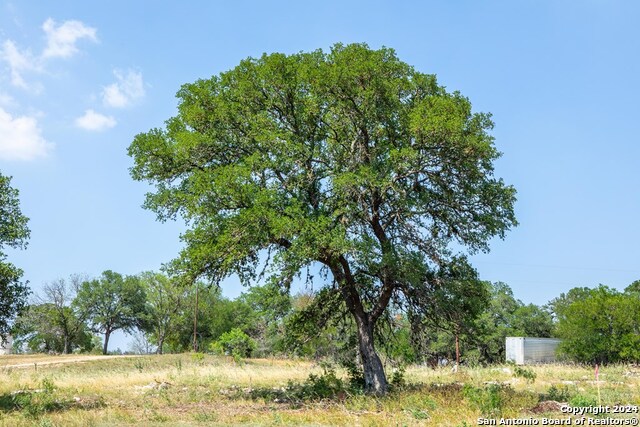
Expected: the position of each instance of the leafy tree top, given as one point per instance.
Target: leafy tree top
(321, 155)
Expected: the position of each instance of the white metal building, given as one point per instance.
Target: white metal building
(5, 346)
(526, 350)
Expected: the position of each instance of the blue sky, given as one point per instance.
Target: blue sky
(79, 79)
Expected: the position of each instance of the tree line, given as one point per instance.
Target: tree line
(599, 325)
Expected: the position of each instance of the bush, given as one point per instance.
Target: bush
(525, 373)
(236, 343)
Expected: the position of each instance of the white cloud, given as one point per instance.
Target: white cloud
(61, 39)
(20, 138)
(61, 43)
(19, 62)
(125, 91)
(95, 121)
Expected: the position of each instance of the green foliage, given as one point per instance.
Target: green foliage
(526, 373)
(35, 403)
(482, 328)
(558, 393)
(48, 328)
(216, 315)
(14, 233)
(325, 386)
(166, 300)
(489, 399)
(197, 357)
(355, 374)
(268, 305)
(53, 324)
(398, 379)
(351, 159)
(599, 325)
(236, 343)
(580, 400)
(112, 302)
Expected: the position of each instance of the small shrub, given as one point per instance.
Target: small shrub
(526, 373)
(236, 343)
(139, 365)
(197, 357)
(35, 403)
(325, 386)
(397, 377)
(355, 374)
(559, 394)
(582, 401)
(489, 400)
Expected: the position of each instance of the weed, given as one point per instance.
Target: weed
(489, 400)
(33, 403)
(355, 374)
(197, 357)
(526, 373)
(45, 422)
(139, 364)
(397, 377)
(419, 414)
(580, 400)
(203, 417)
(559, 394)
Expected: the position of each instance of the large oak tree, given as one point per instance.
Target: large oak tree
(349, 159)
(14, 233)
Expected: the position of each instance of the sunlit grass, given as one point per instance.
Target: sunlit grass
(207, 390)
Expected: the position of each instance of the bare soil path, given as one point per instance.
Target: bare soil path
(28, 361)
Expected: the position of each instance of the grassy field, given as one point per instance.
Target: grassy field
(195, 389)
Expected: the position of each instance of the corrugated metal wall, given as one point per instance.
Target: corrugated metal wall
(528, 350)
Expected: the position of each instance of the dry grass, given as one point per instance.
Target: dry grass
(189, 390)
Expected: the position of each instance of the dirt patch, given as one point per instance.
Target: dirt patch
(29, 361)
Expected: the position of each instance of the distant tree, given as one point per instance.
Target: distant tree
(111, 303)
(453, 300)
(45, 327)
(507, 316)
(70, 324)
(269, 306)
(14, 233)
(350, 159)
(602, 326)
(166, 301)
(215, 316)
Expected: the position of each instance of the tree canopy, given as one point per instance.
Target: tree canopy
(349, 159)
(110, 303)
(599, 325)
(14, 233)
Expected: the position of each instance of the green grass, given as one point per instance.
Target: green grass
(189, 390)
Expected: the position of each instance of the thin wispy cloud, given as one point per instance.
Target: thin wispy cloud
(62, 39)
(61, 42)
(18, 62)
(126, 90)
(21, 138)
(96, 122)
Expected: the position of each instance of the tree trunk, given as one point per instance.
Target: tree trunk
(160, 344)
(375, 380)
(106, 342)
(67, 349)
